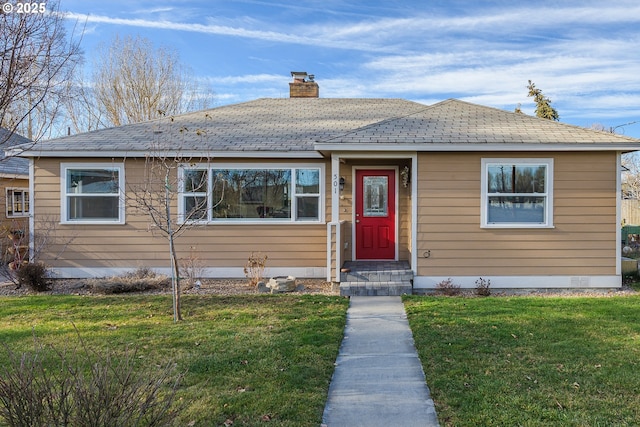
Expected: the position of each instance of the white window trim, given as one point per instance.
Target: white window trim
(9, 202)
(230, 165)
(548, 214)
(87, 166)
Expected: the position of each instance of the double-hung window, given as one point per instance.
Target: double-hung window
(230, 193)
(17, 202)
(92, 193)
(517, 193)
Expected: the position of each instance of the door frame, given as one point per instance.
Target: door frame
(396, 188)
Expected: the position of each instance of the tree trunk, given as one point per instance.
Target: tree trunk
(175, 271)
(175, 281)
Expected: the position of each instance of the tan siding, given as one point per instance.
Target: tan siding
(404, 219)
(582, 241)
(346, 211)
(138, 243)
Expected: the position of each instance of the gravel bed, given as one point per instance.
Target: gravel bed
(305, 286)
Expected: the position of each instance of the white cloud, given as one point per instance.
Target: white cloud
(247, 78)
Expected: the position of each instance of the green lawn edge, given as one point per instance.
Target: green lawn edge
(530, 361)
(246, 358)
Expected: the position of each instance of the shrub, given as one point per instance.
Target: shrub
(34, 276)
(48, 387)
(140, 273)
(140, 280)
(254, 270)
(192, 267)
(448, 288)
(482, 287)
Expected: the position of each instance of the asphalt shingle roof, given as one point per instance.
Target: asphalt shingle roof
(458, 122)
(262, 125)
(12, 165)
(309, 124)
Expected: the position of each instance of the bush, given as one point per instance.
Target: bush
(255, 267)
(140, 273)
(84, 388)
(34, 276)
(448, 288)
(140, 280)
(482, 287)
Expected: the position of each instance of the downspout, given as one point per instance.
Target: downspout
(619, 215)
(32, 222)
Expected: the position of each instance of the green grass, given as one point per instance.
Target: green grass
(245, 357)
(530, 361)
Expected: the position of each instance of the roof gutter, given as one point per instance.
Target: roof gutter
(182, 154)
(466, 147)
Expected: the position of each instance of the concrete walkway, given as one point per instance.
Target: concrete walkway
(378, 380)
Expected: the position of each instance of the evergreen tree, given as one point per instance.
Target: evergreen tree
(544, 110)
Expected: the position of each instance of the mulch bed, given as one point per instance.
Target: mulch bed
(207, 287)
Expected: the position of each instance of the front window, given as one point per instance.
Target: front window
(251, 194)
(91, 194)
(516, 193)
(17, 202)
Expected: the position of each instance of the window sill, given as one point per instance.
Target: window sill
(92, 222)
(507, 226)
(262, 222)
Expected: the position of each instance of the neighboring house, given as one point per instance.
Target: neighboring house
(14, 199)
(456, 190)
(14, 184)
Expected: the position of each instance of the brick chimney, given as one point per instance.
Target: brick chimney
(303, 85)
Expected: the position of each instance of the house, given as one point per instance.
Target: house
(14, 195)
(452, 190)
(14, 199)
(14, 182)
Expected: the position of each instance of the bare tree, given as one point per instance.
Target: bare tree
(157, 195)
(631, 176)
(81, 109)
(37, 58)
(133, 81)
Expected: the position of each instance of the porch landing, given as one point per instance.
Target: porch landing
(376, 278)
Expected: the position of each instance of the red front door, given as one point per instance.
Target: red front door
(375, 214)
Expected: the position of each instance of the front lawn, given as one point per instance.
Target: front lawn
(530, 361)
(247, 359)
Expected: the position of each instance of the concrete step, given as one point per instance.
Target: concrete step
(376, 288)
(377, 276)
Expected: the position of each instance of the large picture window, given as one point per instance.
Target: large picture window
(242, 194)
(91, 193)
(517, 193)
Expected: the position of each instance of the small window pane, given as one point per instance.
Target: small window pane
(195, 181)
(375, 190)
(92, 181)
(516, 178)
(195, 207)
(308, 208)
(307, 181)
(93, 207)
(516, 209)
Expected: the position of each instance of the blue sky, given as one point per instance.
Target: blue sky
(583, 54)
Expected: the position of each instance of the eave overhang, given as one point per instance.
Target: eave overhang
(179, 154)
(327, 148)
